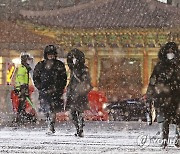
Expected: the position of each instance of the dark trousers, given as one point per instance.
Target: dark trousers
(78, 120)
(47, 103)
(51, 118)
(23, 93)
(22, 105)
(164, 126)
(177, 131)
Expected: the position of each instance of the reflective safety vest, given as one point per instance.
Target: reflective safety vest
(22, 76)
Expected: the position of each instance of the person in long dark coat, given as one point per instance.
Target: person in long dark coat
(164, 90)
(50, 79)
(78, 89)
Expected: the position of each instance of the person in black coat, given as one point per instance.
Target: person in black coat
(50, 79)
(164, 90)
(78, 89)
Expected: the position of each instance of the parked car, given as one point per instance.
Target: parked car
(128, 110)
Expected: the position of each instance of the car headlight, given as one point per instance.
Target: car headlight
(112, 111)
(104, 106)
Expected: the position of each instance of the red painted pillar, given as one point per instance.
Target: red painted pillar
(95, 70)
(145, 71)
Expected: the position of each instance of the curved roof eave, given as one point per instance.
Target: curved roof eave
(109, 14)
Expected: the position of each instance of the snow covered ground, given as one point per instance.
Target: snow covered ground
(100, 137)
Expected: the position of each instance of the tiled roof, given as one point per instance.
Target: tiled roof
(13, 36)
(14, 33)
(110, 14)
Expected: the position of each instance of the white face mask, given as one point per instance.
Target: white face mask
(74, 60)
(29, 62)
(170, 56)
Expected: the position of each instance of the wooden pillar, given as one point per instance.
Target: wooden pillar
(145, 72)
(95, 70)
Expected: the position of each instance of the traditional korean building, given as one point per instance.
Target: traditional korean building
(120, 38)
(16, 39)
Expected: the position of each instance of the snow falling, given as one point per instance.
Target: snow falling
(117, 36)
(100, 137)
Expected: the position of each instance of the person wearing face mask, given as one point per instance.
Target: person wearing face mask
(164, 91)
(170, 56)
(78, 89)
(22, 86)
(50, 79)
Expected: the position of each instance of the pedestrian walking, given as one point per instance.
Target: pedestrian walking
(22, 86)
(164, 90)
(78, 89)
(50, 79)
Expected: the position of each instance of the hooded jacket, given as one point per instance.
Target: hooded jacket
(164, 83)
(80, 82)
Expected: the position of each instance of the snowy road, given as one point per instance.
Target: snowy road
(100, 137)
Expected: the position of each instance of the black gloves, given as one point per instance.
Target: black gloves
(24, 89)
(16, 91)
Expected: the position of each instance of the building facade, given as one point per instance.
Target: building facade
(16, 39)
(120, 39)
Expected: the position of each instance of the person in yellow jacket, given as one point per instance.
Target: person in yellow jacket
(22, 86)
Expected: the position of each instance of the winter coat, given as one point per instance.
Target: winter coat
(50, 79)
(164, 87)
(80, 82)
(22, 81)
(22, 76)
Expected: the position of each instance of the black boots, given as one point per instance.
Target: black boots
(165, 132)
(164, 143)
(164, 127)
(51, 129)
(177, 141)
(51, 117)
(78, 120)
(20, 119)
(177, 138)
(79, 132)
